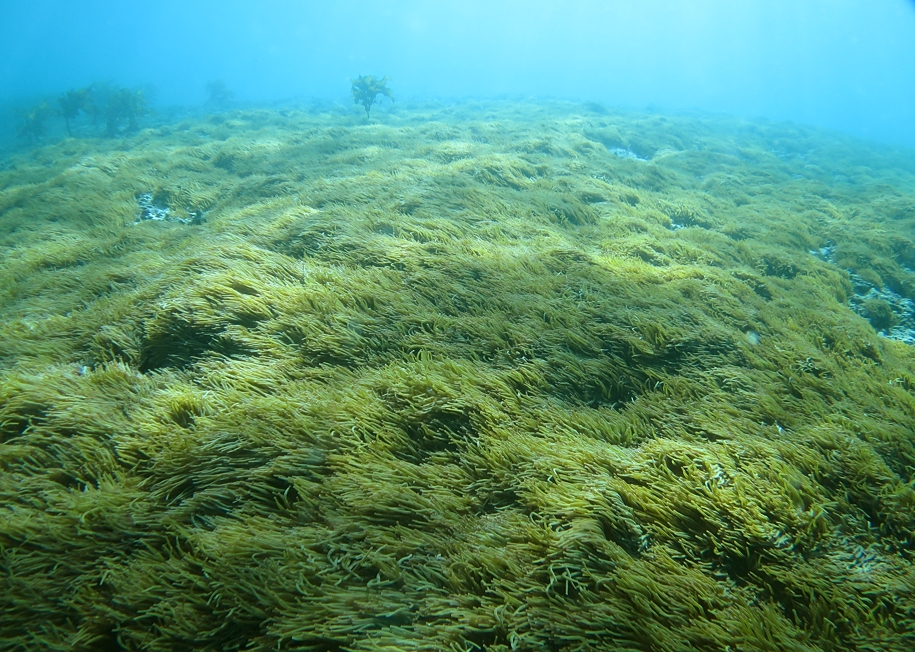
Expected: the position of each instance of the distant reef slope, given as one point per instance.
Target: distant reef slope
(481, 377)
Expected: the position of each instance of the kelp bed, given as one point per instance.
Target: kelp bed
(480, 377)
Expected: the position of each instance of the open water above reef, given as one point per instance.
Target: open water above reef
(478, 376)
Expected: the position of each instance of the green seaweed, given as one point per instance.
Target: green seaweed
(879, 313)
(455, 382)
(32, 124)
(366, 89)
(124, 104)
(219, 95)
(72, 102)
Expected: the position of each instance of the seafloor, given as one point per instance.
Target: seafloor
(477, 377)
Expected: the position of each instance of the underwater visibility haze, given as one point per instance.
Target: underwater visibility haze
(472, 326)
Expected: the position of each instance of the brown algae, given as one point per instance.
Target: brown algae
(476, 377)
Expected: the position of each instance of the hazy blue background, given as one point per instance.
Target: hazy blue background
(846, 64)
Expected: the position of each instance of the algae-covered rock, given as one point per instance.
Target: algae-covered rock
(879, 313)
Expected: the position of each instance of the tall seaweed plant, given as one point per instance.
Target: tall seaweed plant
(124, 105)
(72, 102)
(367, 88)
(33, 123)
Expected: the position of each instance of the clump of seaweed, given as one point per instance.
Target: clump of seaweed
(72, 102)
(33, 125)
(879, 313)
(219, 95)
(124, 104)
(367, 88)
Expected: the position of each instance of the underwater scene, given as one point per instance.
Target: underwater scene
(382, 368)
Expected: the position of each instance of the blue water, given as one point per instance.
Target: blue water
(841, 64)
